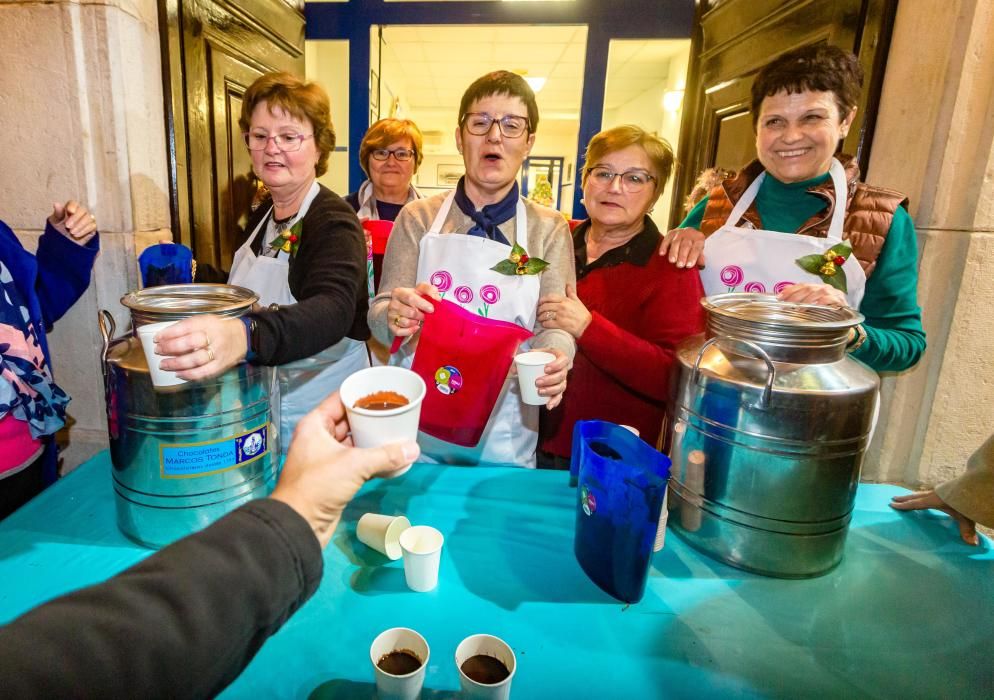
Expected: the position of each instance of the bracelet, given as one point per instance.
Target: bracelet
(857, 342)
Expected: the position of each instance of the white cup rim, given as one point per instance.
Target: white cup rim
(534, 357)
(511, 671)
(424, 662)
(415, 530)
(413, 402)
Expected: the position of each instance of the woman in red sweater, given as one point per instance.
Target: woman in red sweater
(631, 307)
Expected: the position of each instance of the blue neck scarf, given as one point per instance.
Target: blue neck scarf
(486, 220)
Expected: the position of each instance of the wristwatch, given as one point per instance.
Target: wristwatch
(251, 336)
(859, 337)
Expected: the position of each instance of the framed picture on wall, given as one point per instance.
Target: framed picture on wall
(448, 174)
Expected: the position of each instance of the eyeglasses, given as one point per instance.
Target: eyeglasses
(632, 181)
(480, 123)
(401, 154)
(258, 141)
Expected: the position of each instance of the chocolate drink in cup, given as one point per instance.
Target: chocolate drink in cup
(485, 669)
(382, 401)
(399, 662)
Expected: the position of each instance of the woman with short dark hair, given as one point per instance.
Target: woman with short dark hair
(775, 227)
(455, 239)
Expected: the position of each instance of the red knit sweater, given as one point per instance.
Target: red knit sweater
(624, 358)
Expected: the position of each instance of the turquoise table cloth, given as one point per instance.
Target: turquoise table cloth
(908, 613)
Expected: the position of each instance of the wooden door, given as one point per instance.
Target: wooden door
(733, 39)
(213, 50)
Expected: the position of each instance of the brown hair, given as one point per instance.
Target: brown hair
(620, 137)
(386, 131)
(305, 101)
(501, 82)
(816, 67)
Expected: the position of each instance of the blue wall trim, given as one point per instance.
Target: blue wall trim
(605, 19)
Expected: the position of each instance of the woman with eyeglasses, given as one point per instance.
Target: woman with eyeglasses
(630, 307)
(389, 154)
(305, 256)
(449, 243)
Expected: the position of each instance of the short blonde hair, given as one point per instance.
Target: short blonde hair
(620, 137)
(384, 132)
(304, 101)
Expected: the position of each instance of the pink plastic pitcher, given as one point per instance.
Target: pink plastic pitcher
(464, 359)
(378, 233)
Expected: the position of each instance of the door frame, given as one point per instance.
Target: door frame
(605, 20)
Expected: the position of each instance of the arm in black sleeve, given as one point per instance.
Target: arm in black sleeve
(182, 623)
(328, 279)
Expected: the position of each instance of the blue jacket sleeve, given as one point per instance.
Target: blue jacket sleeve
(64, 268)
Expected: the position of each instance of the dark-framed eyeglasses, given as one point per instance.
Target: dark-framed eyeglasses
(258, 140)
(401, 154)
(632, 181)
(480, 123)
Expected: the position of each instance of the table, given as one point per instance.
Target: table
(908, 613)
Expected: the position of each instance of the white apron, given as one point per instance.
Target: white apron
(303, 384)
(511, 435)
(754, 260)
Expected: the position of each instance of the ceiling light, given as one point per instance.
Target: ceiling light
(672, 100)
(536, 84)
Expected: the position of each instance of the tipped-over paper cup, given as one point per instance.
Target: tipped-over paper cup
(382, 533)
(394, 686)
(161, 378)
(531, 366)
(422, 547)
(373, 427)
(485, 645)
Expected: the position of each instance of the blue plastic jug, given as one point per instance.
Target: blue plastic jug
(622, 481)
(166, 263)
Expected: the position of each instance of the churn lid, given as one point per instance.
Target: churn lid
(172, 302)
(787, 331)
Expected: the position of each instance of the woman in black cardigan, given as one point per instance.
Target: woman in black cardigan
(305, 256)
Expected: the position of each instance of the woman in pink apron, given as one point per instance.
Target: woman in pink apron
(445, 246)
(305, 257)
(798, 223)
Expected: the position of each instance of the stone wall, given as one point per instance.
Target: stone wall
(82, 115)
(934, 140)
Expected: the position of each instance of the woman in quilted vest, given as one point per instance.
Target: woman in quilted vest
(798, 223)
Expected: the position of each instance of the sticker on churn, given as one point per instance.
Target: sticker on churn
(448, 379)
(182, 461)
(588, 501)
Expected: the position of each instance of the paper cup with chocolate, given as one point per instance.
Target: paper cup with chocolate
(383, 405)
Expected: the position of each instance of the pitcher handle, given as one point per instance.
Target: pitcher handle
(764, 399)
(107, 330)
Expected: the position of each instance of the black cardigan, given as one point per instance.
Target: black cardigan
(327, 277)
(182, 623)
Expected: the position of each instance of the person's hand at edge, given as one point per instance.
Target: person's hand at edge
(552, 384)
(923, 500)
(323, 471)
(74, 221)
(685, 247)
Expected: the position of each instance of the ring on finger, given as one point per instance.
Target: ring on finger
(210, 352)
(396, 321)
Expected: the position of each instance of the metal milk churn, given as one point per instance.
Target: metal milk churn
(769, 424)
(184, 456)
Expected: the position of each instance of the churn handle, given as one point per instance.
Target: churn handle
(107, 329)
(764, 400)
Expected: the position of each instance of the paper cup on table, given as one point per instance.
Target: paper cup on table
(393, 686)
(422, 548)
(374, 428)
(531, 366)
(382, 533)
(161, 378)
(485, 645)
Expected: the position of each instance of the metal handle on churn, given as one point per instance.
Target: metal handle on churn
(764, 400)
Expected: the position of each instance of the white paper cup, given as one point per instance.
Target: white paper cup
(389, 686)
(531, 366)
(382, 533)
(422, 548)
(376, 428)
(487, 645)
(161, 378)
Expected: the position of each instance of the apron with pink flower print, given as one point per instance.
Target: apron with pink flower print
(459, 266)
(754, 260)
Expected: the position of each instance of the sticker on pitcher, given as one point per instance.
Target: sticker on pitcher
(448, 380)
(588, 501)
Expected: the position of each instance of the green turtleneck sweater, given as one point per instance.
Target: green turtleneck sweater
(894, 335)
